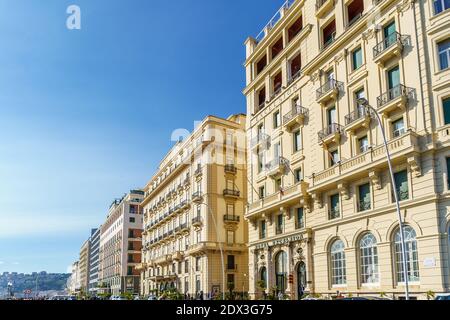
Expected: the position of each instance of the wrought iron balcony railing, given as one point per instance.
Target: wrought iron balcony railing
(231, 192)
(231, 218)
(260, 138)
(359, 113)
(394, 93)
(388, 42)
(328, 86)
(364, 205)
(296, 111)
(330, 130)
(276, 163)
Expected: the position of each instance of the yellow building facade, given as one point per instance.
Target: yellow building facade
(321, 211)
(194, 209)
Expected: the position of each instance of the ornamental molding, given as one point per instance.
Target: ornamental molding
(405, 5)
(414, 165)
(374, 177)
(315, 76)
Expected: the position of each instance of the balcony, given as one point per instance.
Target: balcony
(295, 117)
(178, 255)
(289, 196)
(187, 182)
(395, 98)
(391, 46)
(230, 168)
(231, 193)
(277, 167)
(197, 196)
(360, 118)
(402, 150)
(332, 133)
(274, 20)
(323, 6)
(261, 140)
(197, 221)
(329, 91)
(443, 136)
(232, 219)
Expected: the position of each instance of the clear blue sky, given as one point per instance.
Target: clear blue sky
(84, 113)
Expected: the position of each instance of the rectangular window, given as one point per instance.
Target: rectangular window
(444, 54)
(298, 175)
(261, 98)
(354, 11)
(230, 281)
(280, 224)
(261, 64)
(334, 157)
(300, 223)
(277, 184)
(276, 119)
(277, 83)
(334, 207)
(132, 220)
(398, 128)
(363, 144)
(262, 192)
(197, 263)
(393, 80)
(364, 197)
(295, 28)
(263, 229)
(356, 59)
(329, 34)
(401, 185)
(331, 116)
(446, 107)
(294, 67)
(186, 266)
(230, 237)
(448, 176)
(260, 161)
(297, 141)
(198, 285)
(230, 262)
(277, 48)
(441, 5)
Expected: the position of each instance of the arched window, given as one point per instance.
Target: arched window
(281, 270)
(412, 259)
(369, 259)
(338, 272)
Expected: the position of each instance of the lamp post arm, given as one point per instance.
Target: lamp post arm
(397, 203)
(220, 248)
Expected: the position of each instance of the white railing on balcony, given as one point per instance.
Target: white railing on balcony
(274, 20)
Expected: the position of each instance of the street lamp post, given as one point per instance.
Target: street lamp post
(220, 246)
(363, 102)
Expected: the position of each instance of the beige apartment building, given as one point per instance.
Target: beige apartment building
(121, 245)
(194, 209)
(321, 211)
(83, 266)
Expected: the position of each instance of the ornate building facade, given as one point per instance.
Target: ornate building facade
(194, 210)
(322, 217)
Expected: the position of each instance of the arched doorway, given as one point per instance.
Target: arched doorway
(281, 271)
(301, 279)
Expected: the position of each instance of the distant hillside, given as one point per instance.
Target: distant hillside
(45, 281)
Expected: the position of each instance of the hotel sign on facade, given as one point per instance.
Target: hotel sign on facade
(280, 242)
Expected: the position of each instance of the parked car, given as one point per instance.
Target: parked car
(152, 297)
(443, 296)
